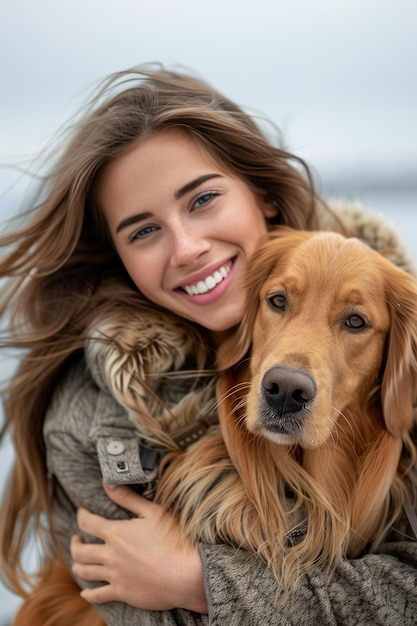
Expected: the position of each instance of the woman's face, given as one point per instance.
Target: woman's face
(184, 227)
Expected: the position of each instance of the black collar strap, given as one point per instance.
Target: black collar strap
(190, 433)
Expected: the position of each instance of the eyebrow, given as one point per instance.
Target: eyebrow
(133, 219)
(193, 184)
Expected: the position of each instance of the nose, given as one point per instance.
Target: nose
(187, 245)
(287, 390)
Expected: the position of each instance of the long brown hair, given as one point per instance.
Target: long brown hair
(61, 269)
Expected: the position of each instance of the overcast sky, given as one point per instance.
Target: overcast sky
(338, 76)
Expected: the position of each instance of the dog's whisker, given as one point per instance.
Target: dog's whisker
(238, 388)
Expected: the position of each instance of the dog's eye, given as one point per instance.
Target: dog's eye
(277, 301)
(355, 322)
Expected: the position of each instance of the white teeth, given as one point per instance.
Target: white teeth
(211, 282)
(203, 286)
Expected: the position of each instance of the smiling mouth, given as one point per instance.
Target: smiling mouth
(210, 282)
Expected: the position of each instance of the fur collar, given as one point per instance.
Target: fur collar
(153, 366)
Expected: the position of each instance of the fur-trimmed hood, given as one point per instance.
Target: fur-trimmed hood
(153, 366)
(371, 228)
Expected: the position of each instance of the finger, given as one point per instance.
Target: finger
(99, 595)
(76, 545)
(86, 552)
(89, 572)
(91, 524)
(131, 501)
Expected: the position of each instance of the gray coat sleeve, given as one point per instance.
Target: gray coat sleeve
(75, 470)
(375, 590)
(378, 589)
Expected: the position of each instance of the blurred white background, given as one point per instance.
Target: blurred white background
(338, 77)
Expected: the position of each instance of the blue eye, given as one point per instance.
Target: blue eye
(204, 198)
(143, 232)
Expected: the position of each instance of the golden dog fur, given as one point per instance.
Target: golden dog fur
(318, 472)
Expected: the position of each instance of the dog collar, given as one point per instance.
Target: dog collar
(192, 432)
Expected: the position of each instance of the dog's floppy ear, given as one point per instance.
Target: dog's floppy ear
(399, 381)
(235, 347)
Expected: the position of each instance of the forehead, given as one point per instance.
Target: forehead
(147, 175)
(159, 152)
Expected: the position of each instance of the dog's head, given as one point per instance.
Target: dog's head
(326, 318)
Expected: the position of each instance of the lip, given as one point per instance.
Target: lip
(203, 274)
(214, 294)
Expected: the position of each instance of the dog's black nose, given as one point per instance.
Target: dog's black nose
(287, 390)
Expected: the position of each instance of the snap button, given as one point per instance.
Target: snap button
(122, 466)
(115, 447)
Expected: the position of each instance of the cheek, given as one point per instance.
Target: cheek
(142, 284)
(257, 225)
(144, 272)
(246, 218)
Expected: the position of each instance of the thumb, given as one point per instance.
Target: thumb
(125, 497)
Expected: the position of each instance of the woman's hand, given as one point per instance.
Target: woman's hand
(144, 560)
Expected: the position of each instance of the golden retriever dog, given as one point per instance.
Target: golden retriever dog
(315, 405)
(316, 415)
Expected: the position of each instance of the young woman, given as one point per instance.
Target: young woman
(154, 207)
